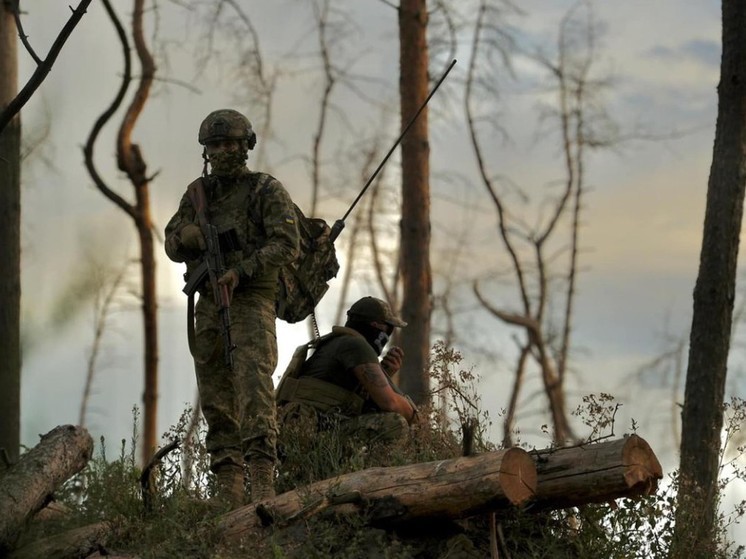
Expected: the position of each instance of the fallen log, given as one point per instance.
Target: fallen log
(80, 542)
(54, 510)
(27, 485)
(455, 488)
(595, 473)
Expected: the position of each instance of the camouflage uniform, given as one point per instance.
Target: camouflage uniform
(258, 234)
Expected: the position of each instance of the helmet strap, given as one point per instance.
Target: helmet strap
(204, 162)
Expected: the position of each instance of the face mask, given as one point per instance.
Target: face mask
(227, 163)
(380, 342)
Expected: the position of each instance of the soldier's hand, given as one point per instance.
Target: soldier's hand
(230, 280)
(192, 238)
(392, 360)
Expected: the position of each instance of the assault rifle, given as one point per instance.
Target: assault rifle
(212, 267)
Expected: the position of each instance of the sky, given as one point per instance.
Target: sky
(642, 218)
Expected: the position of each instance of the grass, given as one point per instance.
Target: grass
(179, 523)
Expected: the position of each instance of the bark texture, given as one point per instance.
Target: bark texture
(414, 255)
(10, 242)
(80, 542)
(714, 294)
(455, 488)
(27, 485)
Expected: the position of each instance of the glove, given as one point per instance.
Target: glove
(392, 360)
(230, 280)
(192, 238)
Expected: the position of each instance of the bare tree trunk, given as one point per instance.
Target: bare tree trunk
(10, 240)
(11, 102)
(130, 160)
(415, 224)
(28, 484)
(714, 293)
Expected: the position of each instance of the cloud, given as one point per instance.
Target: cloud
(700, 51)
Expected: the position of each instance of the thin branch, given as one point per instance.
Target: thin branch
(322, 23)
(44, 67)
(107, 114)
(129, 157)
(378, 266)
(102, 309)
(13, 7)
(147, 485)
(481, 164)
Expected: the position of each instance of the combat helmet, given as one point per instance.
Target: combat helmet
(226, 124)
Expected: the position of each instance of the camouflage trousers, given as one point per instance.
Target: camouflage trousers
(238, 404)
(369, 428)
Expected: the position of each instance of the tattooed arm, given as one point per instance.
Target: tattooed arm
(375, 382)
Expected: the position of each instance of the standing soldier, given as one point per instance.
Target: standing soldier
(257, 232)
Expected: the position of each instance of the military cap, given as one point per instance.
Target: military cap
(370, 308)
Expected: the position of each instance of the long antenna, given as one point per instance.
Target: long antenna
(340, 223)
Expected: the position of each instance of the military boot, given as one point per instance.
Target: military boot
(261, 472)
(230, 486)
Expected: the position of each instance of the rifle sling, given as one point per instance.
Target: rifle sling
(196, 192)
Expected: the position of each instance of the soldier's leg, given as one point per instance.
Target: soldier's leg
(255, 361)
(216, 390)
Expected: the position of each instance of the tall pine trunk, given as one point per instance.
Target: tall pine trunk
(415, 225)
(10, 243)
(714, 293)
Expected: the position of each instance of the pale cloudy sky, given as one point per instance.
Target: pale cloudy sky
(642, 222)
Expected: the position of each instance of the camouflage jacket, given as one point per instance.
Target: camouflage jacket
(258, 233)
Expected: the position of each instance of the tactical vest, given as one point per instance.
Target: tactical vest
(322, 395)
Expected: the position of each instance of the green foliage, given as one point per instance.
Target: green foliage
(174, 519)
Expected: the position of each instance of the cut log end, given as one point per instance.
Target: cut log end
(642, 470)
(518, 476)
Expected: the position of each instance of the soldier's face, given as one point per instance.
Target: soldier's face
(222, 146)
(227, 158)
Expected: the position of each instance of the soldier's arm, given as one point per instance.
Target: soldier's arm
(281, 229)
(183, 216)
(374, 381)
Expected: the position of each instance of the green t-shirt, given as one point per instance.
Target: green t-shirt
(334, 360)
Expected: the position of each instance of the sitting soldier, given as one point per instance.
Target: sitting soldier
(344, 384)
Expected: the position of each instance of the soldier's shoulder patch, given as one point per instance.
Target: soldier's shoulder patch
(289, 219)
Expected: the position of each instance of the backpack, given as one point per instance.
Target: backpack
(293, 369)
(304, 281)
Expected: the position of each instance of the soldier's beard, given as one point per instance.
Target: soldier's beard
(228, 164)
